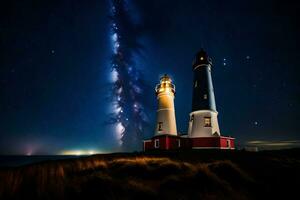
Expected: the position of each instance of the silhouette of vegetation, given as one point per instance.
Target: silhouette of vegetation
(164, 175)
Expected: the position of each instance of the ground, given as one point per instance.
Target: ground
(158, 175)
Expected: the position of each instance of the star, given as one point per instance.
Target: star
(224, 61)
(52, 51)
(248, 57)
(255, 123)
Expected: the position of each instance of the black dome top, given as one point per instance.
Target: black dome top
(201, 58)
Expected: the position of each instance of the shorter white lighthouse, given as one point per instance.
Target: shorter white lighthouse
(166, 121)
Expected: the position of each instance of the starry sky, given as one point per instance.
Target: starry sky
(54, 69)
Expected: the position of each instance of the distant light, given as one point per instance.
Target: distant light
(247, 57)
(201, 58)
(255, 123)
(224, 64)
(79, 152)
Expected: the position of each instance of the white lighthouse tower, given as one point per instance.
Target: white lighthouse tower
(166, 122)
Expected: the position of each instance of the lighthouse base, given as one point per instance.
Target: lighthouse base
(220, 142)
(171, 142)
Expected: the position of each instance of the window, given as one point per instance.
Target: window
(192, 118)
(196, 84)
(205, 96)
(160, 126)
(178, 143)
(156, 143)
(228, 143)
(207, 122)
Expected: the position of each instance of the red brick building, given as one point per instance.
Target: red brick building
(171, 142)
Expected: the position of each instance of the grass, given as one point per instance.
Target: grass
(164, 175)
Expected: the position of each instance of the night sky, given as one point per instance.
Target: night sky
(55, 69)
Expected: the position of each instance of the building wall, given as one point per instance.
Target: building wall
(148, 145)
(174, 142)
(205, 142)
(197, 126)
(166, 114)
(227, 142)
(167, 142)
(203, 86)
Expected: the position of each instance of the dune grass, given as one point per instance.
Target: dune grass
(131, 177)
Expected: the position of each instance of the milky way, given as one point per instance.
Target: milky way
(128, 114)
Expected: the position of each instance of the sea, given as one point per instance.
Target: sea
(21, 160)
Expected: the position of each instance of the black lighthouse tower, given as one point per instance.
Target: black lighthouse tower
(203, 91)
(204, 116)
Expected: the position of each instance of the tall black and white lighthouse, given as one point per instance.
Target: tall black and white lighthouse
(203, 118)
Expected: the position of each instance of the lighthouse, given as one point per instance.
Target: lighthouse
(204, 116)
(203, 127)
(165, 134)
(165, 93)
(203, 131)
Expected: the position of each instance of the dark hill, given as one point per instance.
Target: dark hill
(163, 175)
